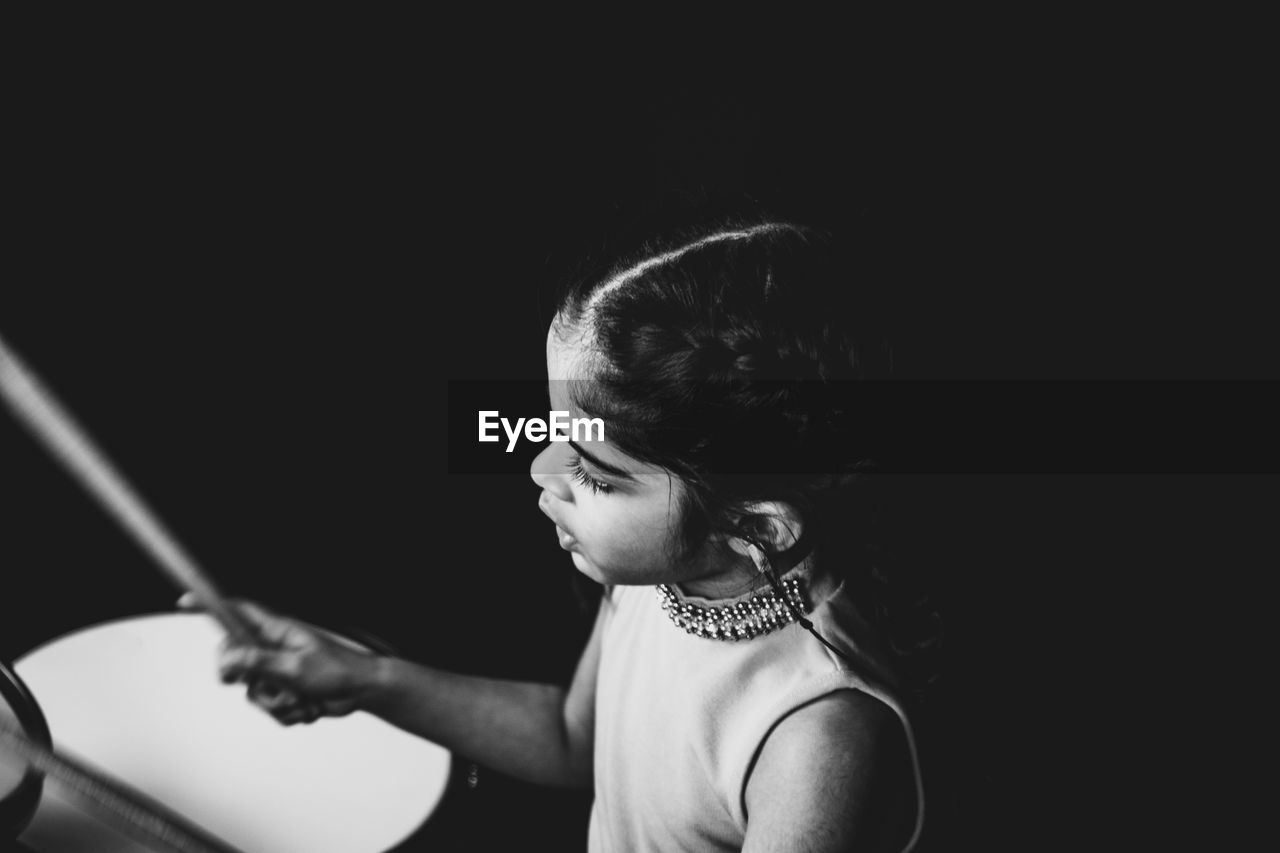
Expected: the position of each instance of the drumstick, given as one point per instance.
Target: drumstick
(53, 426)
(133, 813)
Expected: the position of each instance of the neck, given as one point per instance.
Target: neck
(740, 576)
(740, 579)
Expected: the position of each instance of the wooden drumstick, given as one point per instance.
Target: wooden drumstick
(133, 813)
(36, 407)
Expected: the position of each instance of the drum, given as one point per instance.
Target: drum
(140, 699)
(19, 785)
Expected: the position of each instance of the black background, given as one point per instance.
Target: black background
(253, 272)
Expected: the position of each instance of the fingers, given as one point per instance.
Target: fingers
(268, 669)
(270, 628)
(270, 696)
(304, 713)
(237, 663)
(282, 702)
(269, 678)
(287, 707)
(290, 711)
(248, 663)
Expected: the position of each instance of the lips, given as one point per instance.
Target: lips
(567, 539)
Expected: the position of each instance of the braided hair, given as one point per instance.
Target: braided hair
(727, 355)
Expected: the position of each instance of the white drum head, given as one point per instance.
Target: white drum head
(140, 699)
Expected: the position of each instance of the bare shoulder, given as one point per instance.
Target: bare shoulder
(834, 775)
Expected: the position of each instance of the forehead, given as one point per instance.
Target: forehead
(565, 357)
(568, 356)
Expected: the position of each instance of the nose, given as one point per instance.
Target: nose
(549, 471)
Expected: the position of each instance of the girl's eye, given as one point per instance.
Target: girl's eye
(580, 474)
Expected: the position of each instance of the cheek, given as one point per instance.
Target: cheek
(642, 539)
(628, 532)
(603, 525)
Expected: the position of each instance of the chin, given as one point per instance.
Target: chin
(612, 577)
(583, 565)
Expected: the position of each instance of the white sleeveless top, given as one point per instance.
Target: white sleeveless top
(680, 718)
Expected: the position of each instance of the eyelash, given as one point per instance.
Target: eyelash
(580, 474)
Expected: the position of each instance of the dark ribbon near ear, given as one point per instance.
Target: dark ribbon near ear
(784, 561)
(788, 559)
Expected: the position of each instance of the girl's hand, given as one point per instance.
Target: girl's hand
(297, 672)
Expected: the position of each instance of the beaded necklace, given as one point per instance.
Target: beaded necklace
(742, 620)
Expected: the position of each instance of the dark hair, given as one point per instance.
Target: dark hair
(726, 354)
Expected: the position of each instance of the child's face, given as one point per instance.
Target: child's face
(620, 526)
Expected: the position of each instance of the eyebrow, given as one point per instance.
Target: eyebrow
(603, 466)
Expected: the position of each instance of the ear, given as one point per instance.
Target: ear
(774, 524)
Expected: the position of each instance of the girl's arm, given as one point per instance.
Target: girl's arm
(540, 733)
(835, 775)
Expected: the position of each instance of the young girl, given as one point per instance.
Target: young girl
(742, 687)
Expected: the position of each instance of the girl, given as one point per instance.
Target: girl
(743, 687)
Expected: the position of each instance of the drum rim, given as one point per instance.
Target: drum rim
(17, 808)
